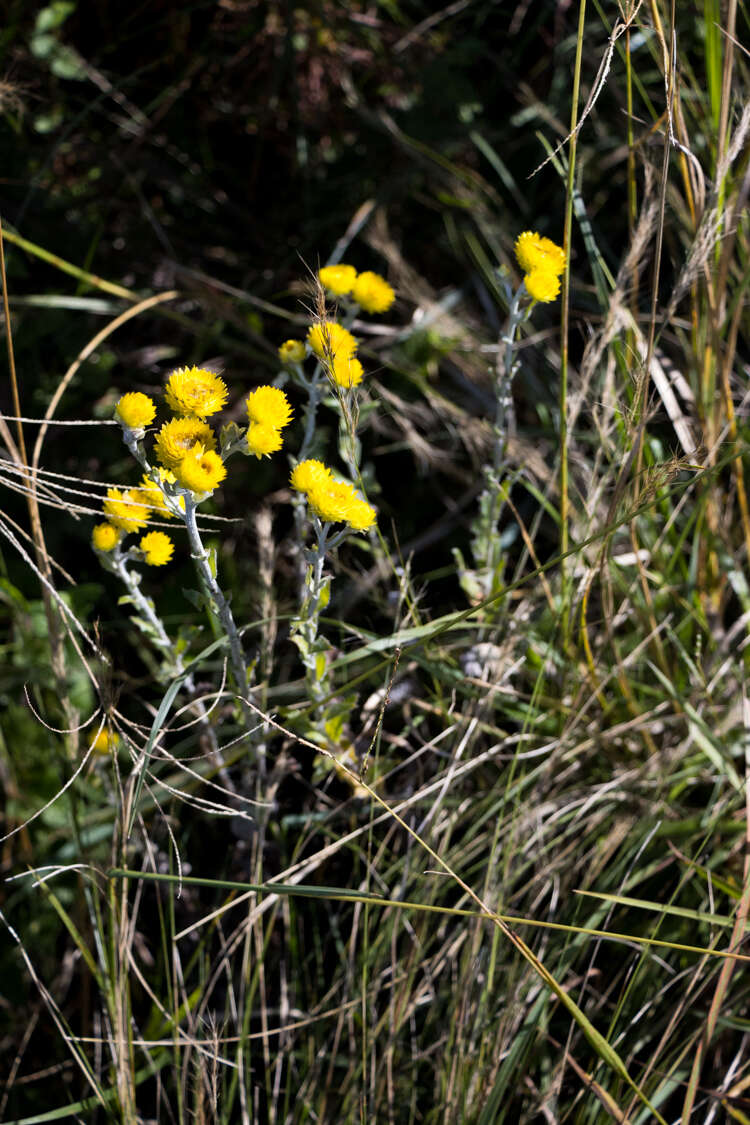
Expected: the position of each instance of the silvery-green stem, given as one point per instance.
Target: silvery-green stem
(116, 561)
(485, 537)
(201, 558)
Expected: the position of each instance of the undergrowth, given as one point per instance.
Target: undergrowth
(398, 772)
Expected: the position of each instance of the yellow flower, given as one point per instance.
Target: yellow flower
(105, 537)
(534, 252)
(292, 351)
(135, 410)
(125, 510)
(542, 285)
(346, 370)
(157, 547)
(329, 339)
(195, 392)
(307, 474)
(361, 516)
(177, 437)
(200, 470)
(270, 407)
(154, 497)
(338, 279)
(262, 440)
(334, 501)
(105, 742)
(373, 293)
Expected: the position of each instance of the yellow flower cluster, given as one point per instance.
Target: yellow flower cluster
(130, 511)
(331, 500)
(135, 411)
(157, 547)
(105, 742)
(542, 261)
(335, 345)
(268, 411)
(292, 351)
(370, 291)
(176, 438)
(194, 392)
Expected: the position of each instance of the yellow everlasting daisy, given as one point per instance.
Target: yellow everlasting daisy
(373, 293)
(542, 285)
(292, 351)
(338, 279)
(263, 440)
(125, 509)
(361, 516)
(177, 437)
(309, 473)
(200, 470)
(329, 340)
(195, 392)
(154, 497)
(105, 537)
(157, 547)
(534, 252)
(334, 501)
(346, 370)
(135, 410)
(105, 742)
(270, 407)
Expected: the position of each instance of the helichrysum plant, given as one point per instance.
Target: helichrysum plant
(333, 507)
(186, 465)
(543, 263)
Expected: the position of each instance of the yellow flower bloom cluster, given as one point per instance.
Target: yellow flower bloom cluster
(135, 410)
(268, 411)
(335, 345)
(292, 351)
(542, 261)
(157, 547)
(176, 438)
(105, 537)
(105, 742)
(331, 500)
(200, 470)
(130, 511)
(194, 392)
(371, 291)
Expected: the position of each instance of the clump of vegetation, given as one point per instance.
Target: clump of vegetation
(385, 759)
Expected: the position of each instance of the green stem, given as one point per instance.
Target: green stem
(565, 326)
(201, 558)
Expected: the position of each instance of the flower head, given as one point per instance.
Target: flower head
(200, 470)
(346, 371)
(309, 473)
(105, 742)
(135, 410)
(329, 339)
(153, 495)
(105, 537)
(177, 437)
(157, 547)
(335, 501)
(338, 279)
(126, 509)
(262, 439)
(542, 285)
(361, 516)
(270, 407)
(373, 293)
(195, 392)
(534, 252)
(292, 351)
